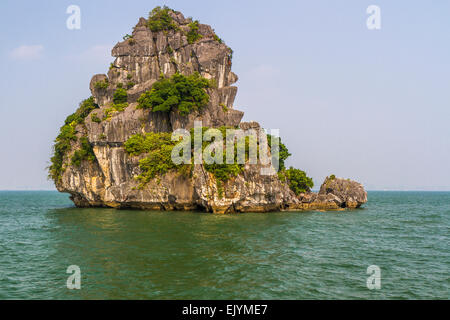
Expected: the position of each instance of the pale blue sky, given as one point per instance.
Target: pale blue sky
(367, 105)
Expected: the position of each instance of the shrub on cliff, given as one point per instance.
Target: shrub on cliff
(120, 96)
(158, 147)
(101, 85)
(283, 153)
(160, 20)
(116, 107)
(95, 118)
(156, 163)
(86, 106)
(67, 133)
(193, 35)
(216, 37)
(179, 92)
(139, 143)
(129, 38)
(61, 147)
(223, 171)
(297, 179)
(84, 153)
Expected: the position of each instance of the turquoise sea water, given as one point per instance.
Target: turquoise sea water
(192, 255)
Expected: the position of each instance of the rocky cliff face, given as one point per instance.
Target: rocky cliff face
(108, 179)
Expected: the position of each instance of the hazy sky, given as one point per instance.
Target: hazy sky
(370, 105)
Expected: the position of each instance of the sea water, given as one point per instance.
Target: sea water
(124, 254)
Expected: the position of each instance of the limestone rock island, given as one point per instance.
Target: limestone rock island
(115, 150)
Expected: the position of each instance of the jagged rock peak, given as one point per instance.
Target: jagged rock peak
(145, 55)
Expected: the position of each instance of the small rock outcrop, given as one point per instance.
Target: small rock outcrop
(334, 194)
(92, 165)
(346, 193)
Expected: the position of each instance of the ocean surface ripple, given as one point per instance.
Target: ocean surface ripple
(126, 254)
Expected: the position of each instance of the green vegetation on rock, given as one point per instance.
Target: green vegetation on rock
(193, 35)
(120, 96)
(101, 85)
(66, 136)
(95, 118)
(216, 37)
(224, 171)
(119, 104)
(158, 147)
(129, 38)
(116, 107)
(158, 161)
(160, 20)
(86, 106)
(61, 147)
(84, 153)
(179, 92)
(297, 179)
(283, 152)
(230, 54)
